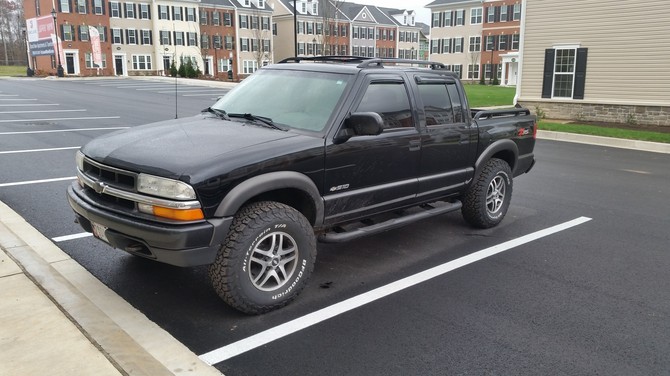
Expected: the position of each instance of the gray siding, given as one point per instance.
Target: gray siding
(627, 41)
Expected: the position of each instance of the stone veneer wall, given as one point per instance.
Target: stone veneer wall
(610, 113)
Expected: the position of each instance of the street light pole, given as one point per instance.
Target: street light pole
(59, 70)
(295, 27)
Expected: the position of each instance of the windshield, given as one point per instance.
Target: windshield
(297, 99)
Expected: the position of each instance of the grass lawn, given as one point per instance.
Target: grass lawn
(12, 70)
(609, 131)
(487, 96)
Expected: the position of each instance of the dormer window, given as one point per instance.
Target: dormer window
(246, 3)
(303, 7)
(315, 9)
(411, 21)
(261, 4)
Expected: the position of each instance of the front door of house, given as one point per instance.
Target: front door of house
(118, 65)
(69, 62)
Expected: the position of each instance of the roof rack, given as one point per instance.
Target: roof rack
(327, 59)
(363, 62)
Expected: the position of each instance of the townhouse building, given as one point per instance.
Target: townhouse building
(131, 35)
(254, 35)
(408, 32)
(592, 61)
(72, 21)
(479, 39)
(217, 39)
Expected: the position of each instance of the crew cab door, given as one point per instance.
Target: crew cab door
(367, 174)
(449, 140)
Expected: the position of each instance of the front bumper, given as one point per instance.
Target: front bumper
(176, 244)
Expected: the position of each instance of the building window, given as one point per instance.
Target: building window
(249, 66)
(434, 46)
(244, 21)
(436, 19)
(163, 12)
(517, 12)
(68, 31)
(229, 42)
(447, 19)
(190, 14)
(515, 41)
(131, 36)
(97, 7)
(130, 10)
(176, 14)
(165, 38)
(502, 42)
(227, 19)
(473, 71)
(244, 44)
(81, 6)
(487, 71)
(192, 39)
(224, 65)
(475, 44)
(266, 45)
(88, 57)
(64, 6)
(141, 62)
(102, 30)
(146, 37)
(114, 9)
(145, 13)
(117, 36)
(503, 13)
(265, 23)
(83, 33)
(476, 16)
(564, 72)
(491, 14)
(460, 18)
(458, 45)
(178, 38)
(490, 42)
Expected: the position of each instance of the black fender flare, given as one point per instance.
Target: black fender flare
(498, 146)
(259, 184)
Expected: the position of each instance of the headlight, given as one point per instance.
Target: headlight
(79, 158)
(162, 187)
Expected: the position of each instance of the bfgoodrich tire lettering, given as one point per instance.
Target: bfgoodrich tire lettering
(487, 200)
(266, 259)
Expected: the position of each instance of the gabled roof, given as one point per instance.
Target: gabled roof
(218, 3)
(450, 2)
(324, 6)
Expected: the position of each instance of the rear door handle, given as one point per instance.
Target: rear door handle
(414, 145)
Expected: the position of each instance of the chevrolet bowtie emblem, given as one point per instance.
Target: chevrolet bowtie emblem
(98, 187)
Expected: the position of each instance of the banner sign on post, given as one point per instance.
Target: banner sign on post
(40, 31)
(95, 46)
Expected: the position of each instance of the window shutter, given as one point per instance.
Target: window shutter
(510, 12)
(497, 14)
(451, 45)
(548, 78)
(110, 9)
(149, 11)
(495, 43)
(453, 18)
(135, 11)
(151, 37)
(580, 73)
(102, 6)
(462, 44)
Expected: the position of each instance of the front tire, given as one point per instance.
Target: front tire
(486, 201)
(266, 259)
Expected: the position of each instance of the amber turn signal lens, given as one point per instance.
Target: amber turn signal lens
(179, 214)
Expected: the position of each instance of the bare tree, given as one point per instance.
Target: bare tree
(11, 17)
(475, 56)
(330, 16)
(261, 45)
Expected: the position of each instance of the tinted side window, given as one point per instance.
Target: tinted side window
(388, 99)
(436, 104)
(456, 103)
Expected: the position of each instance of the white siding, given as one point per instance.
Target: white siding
(627, 41)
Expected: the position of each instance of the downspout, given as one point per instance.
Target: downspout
(522, 37)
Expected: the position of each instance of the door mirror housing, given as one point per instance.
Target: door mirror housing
(360, 124)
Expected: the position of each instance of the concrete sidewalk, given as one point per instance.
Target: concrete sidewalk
(57, 319)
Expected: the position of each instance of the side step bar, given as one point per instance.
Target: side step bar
(371, 229)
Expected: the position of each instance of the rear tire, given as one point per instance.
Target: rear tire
(266, 259)
(486, 201)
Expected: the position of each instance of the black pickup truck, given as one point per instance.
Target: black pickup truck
(328, 149)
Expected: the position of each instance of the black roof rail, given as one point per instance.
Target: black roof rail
(327, 59)
(363, 62)
(379, 62)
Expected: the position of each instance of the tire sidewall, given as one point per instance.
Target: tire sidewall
(500, 214)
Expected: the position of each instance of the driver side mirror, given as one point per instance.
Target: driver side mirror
(360, 124)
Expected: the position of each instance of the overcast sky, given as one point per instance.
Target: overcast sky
(423, 14)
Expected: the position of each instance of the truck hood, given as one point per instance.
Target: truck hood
(174, 148)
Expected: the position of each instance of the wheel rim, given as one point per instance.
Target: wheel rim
(495, 194)
(273, 261)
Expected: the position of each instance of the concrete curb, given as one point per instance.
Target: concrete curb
(133, 344)
(654, 147)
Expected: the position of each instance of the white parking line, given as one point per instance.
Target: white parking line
(57, 119)
(18, 99)
(9, 95)
(270, 335)
(64, 130)
(36, 181)
(29, 104)
(71, 237)
(34, 111)
(198, 95)
(38, 150)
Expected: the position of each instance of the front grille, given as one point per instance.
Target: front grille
(113, 176)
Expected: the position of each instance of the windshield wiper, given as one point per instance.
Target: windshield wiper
(262, 119)
(219, 113)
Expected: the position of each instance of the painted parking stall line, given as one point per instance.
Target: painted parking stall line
(30, 182)
(38, 111)
(224, 353)
(59, 119)
(64, 130)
